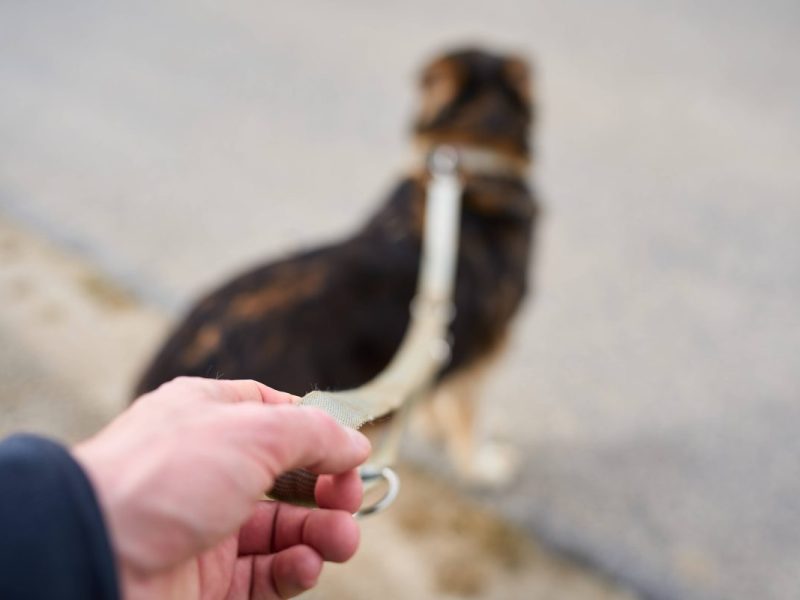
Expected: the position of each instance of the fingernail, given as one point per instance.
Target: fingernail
(295, 399)
(359, 440)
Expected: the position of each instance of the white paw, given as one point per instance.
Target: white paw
(495, 465)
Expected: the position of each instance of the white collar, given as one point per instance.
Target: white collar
(480, 160)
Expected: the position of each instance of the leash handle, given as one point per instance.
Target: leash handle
(298, 487)
(295, 487)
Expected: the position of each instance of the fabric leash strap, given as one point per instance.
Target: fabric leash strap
(424, 348)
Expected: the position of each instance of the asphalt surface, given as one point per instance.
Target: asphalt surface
(653, 383)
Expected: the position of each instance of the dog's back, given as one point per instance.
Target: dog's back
(332, 318)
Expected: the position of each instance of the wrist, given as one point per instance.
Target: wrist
(109, 488)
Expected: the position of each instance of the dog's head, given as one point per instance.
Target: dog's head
(476, 98)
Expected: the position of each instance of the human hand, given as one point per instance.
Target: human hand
(179, 476)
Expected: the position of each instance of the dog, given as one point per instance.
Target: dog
(332, 317)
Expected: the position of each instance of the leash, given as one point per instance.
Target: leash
(424, 350)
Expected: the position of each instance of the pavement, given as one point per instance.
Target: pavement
(652, 384)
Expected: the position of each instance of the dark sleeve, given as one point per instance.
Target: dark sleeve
(53, 542)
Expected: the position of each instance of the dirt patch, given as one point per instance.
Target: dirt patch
(79, 333)
(102, 292)
(484, 542)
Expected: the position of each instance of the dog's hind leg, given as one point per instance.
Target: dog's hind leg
(455, 412)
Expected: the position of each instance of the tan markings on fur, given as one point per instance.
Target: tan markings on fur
(487, 203)
(252, 305)
(205, 342)
(440, 83)
(518, 75)
(452, 410)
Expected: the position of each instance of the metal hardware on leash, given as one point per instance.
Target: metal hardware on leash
(443, 160)
(370, 475)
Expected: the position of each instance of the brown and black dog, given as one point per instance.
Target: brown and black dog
(332, 318)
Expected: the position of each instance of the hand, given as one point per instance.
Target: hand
(179, 476)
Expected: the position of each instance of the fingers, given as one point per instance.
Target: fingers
(248, 390)
(334, 534)
(240, 584)
(230, 391)
(285, 574)
(256, 535)
(275, 527)
(340, 492)
(290, 544)
(291, 437)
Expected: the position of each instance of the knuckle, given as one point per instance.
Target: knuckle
(182, 381)
(322, 418)
(255, 387)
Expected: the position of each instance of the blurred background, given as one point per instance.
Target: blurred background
(150, 149)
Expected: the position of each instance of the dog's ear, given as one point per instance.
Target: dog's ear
(440, 84)
(517, 73)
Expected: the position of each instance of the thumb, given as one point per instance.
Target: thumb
(292, 437)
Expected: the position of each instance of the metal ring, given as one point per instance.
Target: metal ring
(392, 481)
(443, 160)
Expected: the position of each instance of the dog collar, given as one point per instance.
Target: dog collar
(481, 160)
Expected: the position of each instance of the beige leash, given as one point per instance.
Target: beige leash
(422, 353)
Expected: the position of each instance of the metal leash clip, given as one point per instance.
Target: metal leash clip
(370, 477)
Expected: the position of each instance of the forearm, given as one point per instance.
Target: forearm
(54, 542)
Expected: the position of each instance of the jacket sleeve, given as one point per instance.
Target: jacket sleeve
(53, 541)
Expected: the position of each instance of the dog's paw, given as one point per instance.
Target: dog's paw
(495, 465)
